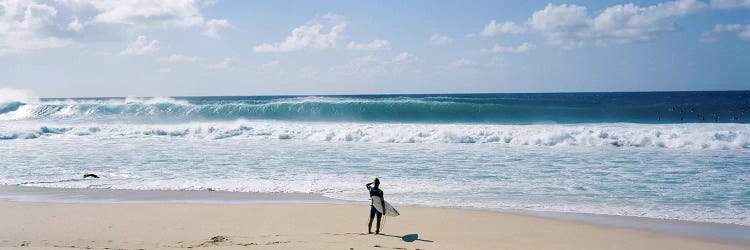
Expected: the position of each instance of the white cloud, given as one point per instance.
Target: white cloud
(370, 65)
(40, 24)
(141, 46)
(496, 62)
(183, 13)
(625, 23)
(745, 35)
(24, 26)
(440, 40)
(405, 57)
(503, 49)
(374, 45)
(461, 64)
(173, 13)
(730, 4)
(564, 25)
(361, 65)
(178, 58)
(743, 32)
(309, 36)
(708, 37)
(75, 25)
(224, 64)
(494, 28)
(727, 27)
(213, 26)
(570, 26)
(209, 2)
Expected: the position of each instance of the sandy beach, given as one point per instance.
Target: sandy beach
(34, 225)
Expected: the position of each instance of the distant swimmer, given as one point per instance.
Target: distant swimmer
(90, 175)
(374, 188)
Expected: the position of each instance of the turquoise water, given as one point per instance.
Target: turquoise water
(639, 154)
(648, 107)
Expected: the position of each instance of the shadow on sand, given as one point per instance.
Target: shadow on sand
(408, 237)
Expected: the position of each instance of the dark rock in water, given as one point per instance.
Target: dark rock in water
(90, 175)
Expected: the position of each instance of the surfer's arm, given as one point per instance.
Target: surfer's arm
(368, 185)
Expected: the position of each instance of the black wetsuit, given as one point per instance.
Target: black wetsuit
(374, 191)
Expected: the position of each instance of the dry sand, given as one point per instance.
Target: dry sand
(31, 225)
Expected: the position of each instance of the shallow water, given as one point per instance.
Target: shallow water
(689, 184)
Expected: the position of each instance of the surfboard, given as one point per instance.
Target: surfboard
(380, 204)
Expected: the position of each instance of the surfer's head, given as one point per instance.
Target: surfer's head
(376, 182)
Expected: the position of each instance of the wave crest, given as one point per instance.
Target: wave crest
(697, 136)
(423, 109)
(8, 95)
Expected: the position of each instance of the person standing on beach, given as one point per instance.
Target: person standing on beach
(374, 189)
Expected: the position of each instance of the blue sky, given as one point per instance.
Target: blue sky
(77, 48)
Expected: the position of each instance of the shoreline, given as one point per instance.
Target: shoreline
(703, 231)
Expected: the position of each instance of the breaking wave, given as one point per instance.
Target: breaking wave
(731, 107)
(699, 136)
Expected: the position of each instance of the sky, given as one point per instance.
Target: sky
(107, 48)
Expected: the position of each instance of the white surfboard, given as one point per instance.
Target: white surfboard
(381, 205)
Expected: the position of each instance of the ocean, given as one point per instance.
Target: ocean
(673, 155)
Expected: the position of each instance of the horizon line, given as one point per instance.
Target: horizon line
(405, 94)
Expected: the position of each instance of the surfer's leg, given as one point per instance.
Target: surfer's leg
(377, 228)
(369, 226)
(372, 216)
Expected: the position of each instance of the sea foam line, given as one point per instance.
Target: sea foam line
(694, 136)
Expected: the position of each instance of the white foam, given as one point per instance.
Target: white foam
(155, 100)
(342, 100)
(8, 95)
(559, 169)
(694, 136)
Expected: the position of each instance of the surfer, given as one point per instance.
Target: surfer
(374, 189)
